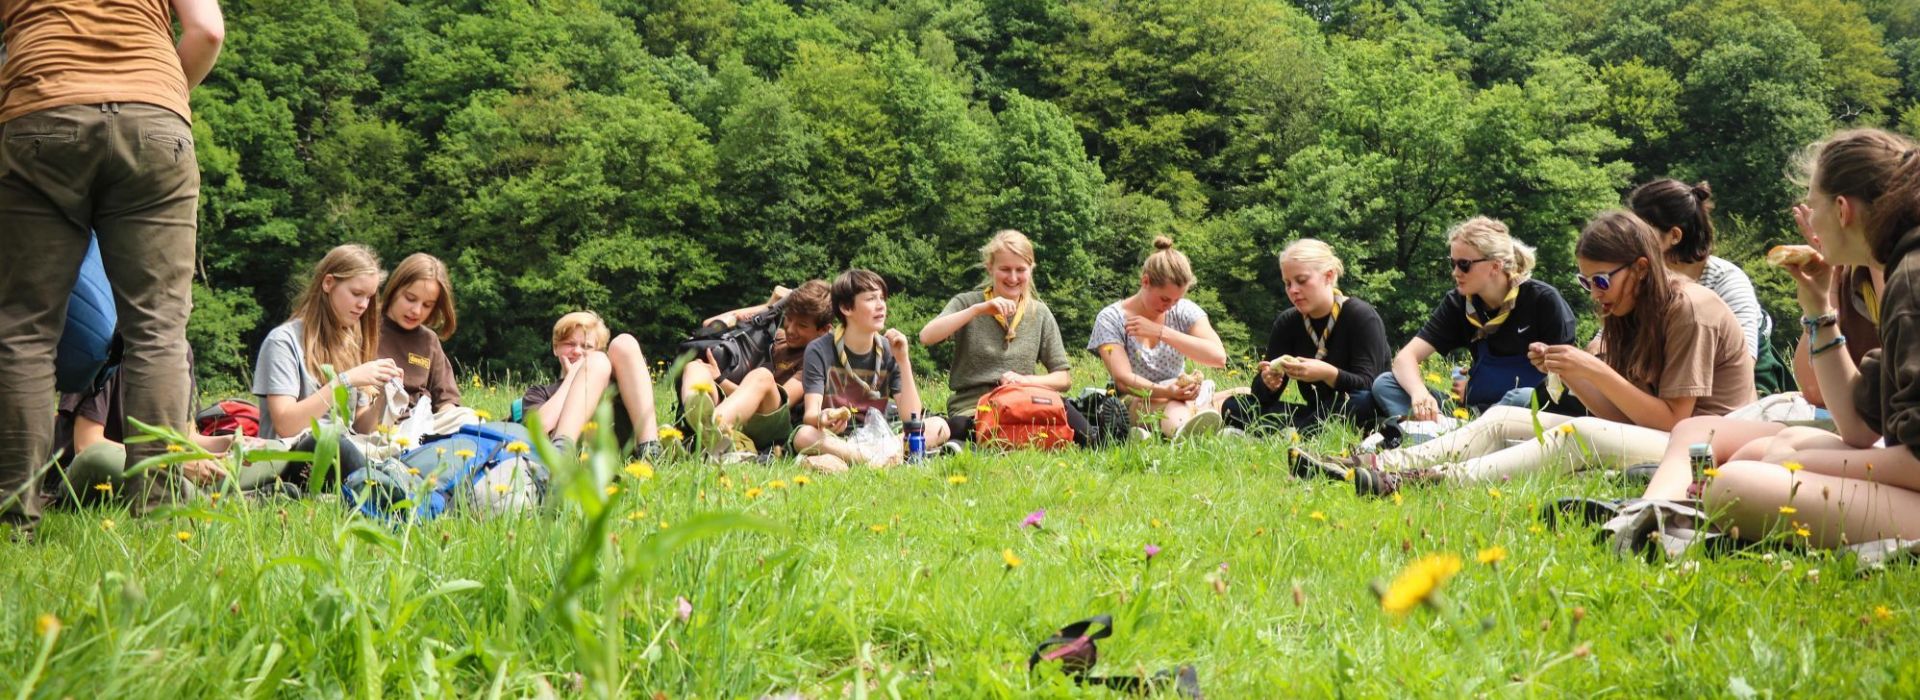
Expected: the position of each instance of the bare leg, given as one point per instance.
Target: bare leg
(1174, 414)
(1727, 435)
(636, 386)
(1836, 510)
(757, 394)
(583, 397)
(811, 440)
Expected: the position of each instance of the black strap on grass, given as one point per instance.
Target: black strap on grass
(1074, 648)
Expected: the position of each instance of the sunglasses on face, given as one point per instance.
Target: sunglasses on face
(1602, 281)
(1463, 265)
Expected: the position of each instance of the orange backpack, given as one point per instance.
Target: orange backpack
(1022, 416)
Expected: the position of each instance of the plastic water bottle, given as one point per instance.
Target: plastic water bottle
(1700, 456)
(916, 430)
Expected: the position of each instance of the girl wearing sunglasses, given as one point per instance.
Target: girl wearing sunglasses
(1672, 349)
(1497, 310)
(1863, 484)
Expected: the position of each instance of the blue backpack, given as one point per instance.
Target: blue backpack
(87, 343)
(434, 476)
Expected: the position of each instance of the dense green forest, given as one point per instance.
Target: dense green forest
(661, 160)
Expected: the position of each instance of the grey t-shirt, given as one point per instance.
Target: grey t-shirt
(281, 371)
(1159, 363)
(864, 381)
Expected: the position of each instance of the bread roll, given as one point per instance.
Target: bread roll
(1791, 255)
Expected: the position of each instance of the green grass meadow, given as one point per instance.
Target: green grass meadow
(896, 583)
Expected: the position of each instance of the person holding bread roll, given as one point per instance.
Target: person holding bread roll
(1145, 341)
(1329, 344)
(1863, 483)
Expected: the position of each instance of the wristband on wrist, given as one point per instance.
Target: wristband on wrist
(1816, 323)
(1838, 340)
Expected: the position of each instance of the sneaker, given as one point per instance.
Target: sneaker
(1640, 473)
(1234, 433)
(1373, 481)
(951, 448)
(1306, 465)
(1141, 433)
(729, 442)
(1202, 423)
(648, 450)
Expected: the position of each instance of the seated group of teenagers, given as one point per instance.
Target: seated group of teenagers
(1681, 332)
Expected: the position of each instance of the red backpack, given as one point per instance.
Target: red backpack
(1022, 416)
(229, 416)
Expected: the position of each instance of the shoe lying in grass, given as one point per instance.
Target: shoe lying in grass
(1374, 481)
(1202, 424)
(1640, 473)
(1579, 511)
(1650, 526)
(1307, 465)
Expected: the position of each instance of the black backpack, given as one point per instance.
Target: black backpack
(738, 350)
(1108, 417)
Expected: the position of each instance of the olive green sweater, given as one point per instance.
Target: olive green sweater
(982, 353)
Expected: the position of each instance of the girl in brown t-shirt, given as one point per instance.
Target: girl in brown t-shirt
(419, 313)
(1672, 349)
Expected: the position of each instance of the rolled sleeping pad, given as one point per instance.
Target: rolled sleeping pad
(87, 340)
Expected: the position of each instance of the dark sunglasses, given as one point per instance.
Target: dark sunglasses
(1464, 266)
(1602, 281)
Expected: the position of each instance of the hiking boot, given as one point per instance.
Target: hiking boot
(1579, 511)
(1374, 481)
(1306, 465)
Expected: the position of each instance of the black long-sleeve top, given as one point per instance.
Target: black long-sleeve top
(1357, 346)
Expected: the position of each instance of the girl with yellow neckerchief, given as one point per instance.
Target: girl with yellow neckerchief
(1000, 335)
(1497, 310)
(1330, 344)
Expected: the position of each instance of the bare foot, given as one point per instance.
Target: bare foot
(827, 464)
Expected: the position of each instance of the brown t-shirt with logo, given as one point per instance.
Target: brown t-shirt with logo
(71, 52)
(417, 351)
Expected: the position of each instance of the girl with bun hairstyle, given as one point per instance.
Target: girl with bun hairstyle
(1145, 341)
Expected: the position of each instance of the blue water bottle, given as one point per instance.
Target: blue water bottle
(916, 430)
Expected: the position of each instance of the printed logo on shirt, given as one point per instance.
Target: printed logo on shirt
(417, 360)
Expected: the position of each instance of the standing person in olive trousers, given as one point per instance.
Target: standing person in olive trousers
(96, 135)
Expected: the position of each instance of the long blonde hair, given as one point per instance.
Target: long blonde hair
(1014, 243)
(324, 338)
(1491, 238)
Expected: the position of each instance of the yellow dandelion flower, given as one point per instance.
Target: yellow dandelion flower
(106, 524)
(802, 480)
(47, 624)
(589, 427)
(726, 483)
(664, 525)
(1803, 532)
(877, 528)
(670, 433)
(1433, 378)
(1495, 493)
(403, 441)
(1418, 583)
(1566, 428)
(640, 470)
(1793, 466)
(441, 451)
(176, 448)
(476, 381)
(1492, 555)
(482, 414)
(637, 515)
(776, 484)
(1461, 414)
(753, 493)
(415, 471)
(103, 487)
(518, 447)
(613, 489)
(1008, 556)
(215, 497)
(1711, 472)
(464, 454)
(1154, 523)
(183, 535)
(1397, 499)
(1881, 612)
(702, 387)
(1788, 510)
(1317, 515)
(957, 479)
(501, 488)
